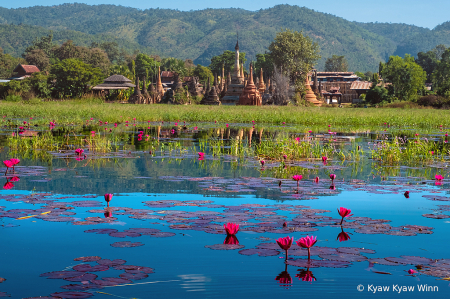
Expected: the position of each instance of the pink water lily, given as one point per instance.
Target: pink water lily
(262, 162)
(343, 212)
(201, 156)
(79, 151)
(108, 197)
(231, 240)
(316, 180)
(307, 242)
(412, 271)
(231, 228)
(8, 185)
(285, 243)
(406, 194)
(439, 177)
(8, 164)
(297, 178)
(14, 162)
(332, 176)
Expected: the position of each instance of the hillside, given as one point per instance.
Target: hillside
(199, 35)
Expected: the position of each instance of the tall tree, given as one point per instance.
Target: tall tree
(72, 76)
(336, 64)
(146, 66)
(295, 54)
(441, 75)
(203, 73)
(264, 61)
(38, 58)
(406, 76)
(428, 61)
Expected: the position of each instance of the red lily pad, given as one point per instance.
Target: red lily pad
(436, 216)
(259, 252)
(305, 263)
(126, 244)
(81, 287)
(89, 268)
(61, 274)
(133, 276)
(70, 295)
(111, 263)
(84, 277)
(224, 246)
(88, 258)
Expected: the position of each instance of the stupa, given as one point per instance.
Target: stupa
(236, 86)
(211, 98)
(310, 96)
(250, 95)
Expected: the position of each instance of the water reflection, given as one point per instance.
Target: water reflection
(231, 240)
(305, 275)
(284, 278)
(343, 236)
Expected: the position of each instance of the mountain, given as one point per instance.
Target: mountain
(201, 34)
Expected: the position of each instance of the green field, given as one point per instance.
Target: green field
(78, 111)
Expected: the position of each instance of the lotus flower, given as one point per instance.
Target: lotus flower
(307, 242)
(79, 151)
(406, 194)
(412, 271)
(332, 176)
(108, 197)
(8, 164)
(437, 177)
(285, 243)
(201, 156)
(316, 179)
(343, 212)
(231, 228)
(297, 178)
(231, 240)
(14, 162)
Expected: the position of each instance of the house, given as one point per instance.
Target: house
(23, 71)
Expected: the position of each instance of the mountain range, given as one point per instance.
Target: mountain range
(202, 34)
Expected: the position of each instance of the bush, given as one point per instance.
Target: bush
(13, 98)
(434, 101)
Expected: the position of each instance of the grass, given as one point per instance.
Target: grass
(78, 111)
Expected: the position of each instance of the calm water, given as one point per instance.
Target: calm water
(168, 208)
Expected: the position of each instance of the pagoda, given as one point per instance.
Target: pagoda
(236, 86)
(250, 95)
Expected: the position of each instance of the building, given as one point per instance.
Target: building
(23, 71)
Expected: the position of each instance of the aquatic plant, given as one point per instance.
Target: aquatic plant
(231, 228)
(343, 212)
(285, 243)
(307, 242)
(108, 197)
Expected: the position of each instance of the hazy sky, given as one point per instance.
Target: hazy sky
(418, 12)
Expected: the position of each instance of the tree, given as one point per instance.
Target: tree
(45, 43)
(71, 77)
(146, 66)
(406, 76)
(336, 64)
(38, 58)
(264, 61)
(174, 65)
(295, 54)
(428, 61)
(8, 64)
(203, 73)
(226, 60)
(377, 94)
(441, 75)
(98, 58)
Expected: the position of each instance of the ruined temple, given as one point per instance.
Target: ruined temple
(250, 95)
(137, 97)
(211, 97)
(236, 86)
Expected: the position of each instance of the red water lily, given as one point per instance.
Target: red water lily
(79, 151)
(297, 178)
(332, 176)
(439, 177)
(307, 242)
(8, 164)
(231, 240)
(285, 243)
(406, 194)
(108, 197)
(231, 228)
(343, 212)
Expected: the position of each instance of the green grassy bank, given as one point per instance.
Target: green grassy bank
(78, 111)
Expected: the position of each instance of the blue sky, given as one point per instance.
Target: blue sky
(417, 12)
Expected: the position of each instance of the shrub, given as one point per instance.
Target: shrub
(433, 101)
(13, 98)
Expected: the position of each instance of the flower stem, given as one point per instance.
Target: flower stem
(309, 253)
(342, 220)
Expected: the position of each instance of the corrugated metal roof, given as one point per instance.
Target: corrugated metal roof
(117, 78)
(361, 85)
(27, 68)
(167, 74)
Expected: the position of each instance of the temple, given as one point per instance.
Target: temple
(250, 95)
(235, 88)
